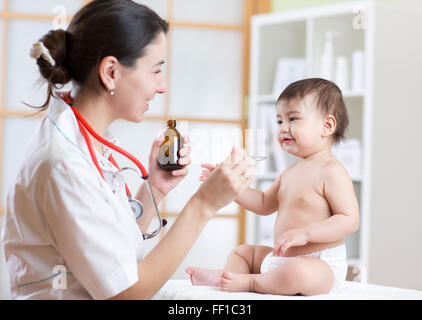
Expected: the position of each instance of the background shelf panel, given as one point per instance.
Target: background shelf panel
(290, 42)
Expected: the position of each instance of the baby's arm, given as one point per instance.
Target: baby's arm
(259, 202)
(339, 192)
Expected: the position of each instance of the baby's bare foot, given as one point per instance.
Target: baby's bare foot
(236, 282)
(203, 277)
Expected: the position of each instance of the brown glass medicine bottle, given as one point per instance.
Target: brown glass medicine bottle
(168, 154)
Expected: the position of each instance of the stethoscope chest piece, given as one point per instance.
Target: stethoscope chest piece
(137, 207)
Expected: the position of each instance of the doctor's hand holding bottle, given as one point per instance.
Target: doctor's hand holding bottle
(161, 182)
(164, 181)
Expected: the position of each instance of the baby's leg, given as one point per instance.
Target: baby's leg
(243, 259)
(246, 259)
(304, 275)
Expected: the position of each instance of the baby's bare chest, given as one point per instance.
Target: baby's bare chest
(302, 189)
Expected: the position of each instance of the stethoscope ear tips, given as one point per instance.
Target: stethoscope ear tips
(164, 222)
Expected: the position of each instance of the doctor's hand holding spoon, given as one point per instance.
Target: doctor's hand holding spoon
(223, 185)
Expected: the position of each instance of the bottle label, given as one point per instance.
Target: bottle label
(175, 148)
(168, 153)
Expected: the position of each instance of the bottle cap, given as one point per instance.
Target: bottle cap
(171, 123)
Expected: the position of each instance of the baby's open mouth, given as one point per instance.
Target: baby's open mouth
(286, 140)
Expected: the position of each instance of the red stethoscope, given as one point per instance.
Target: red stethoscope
(136, 205)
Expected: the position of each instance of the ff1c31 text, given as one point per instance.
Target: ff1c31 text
(216, 309)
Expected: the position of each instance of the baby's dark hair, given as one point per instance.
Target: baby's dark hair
(329, 101)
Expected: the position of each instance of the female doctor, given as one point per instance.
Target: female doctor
(63, 209)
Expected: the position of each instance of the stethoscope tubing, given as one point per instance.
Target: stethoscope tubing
(83, 124)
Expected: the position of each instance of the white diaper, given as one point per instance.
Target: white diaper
(335, 258)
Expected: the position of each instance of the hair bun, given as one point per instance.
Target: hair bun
(51, 55)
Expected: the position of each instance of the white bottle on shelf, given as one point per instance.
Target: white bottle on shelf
(327, 58)
(342, 73)
(358, 71)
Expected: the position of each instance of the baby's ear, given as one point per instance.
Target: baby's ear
(330, 124)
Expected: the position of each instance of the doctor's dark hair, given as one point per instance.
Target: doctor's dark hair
(328, 97)
(119, 28)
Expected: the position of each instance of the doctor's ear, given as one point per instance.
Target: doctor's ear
(108, 72)
(329, 123)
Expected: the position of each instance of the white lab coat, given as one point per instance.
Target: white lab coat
(60, 212)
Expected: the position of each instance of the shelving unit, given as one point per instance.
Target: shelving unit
(301, 34)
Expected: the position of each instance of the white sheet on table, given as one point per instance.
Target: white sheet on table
(183, 290)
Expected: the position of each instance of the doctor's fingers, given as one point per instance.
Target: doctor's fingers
(155, 147)
(208, 166)
(184, 153)
(250, 171)
(186, 150)
(180, 172)
(205, 173)
(185, 161)
(244, 183)
(186, 140)
(242, 167)
(244, 162)
(233, 158)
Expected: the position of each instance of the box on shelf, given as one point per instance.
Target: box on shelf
(349, 154)
(288, 70)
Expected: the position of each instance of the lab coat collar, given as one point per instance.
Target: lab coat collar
(62, 117)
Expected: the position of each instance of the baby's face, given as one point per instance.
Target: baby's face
(300, 130)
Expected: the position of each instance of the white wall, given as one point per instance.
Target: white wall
(396, 210)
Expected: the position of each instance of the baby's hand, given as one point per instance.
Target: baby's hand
(210, 168)
(290, 238)
(205, 173)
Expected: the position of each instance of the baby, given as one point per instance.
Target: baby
(314, 199)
